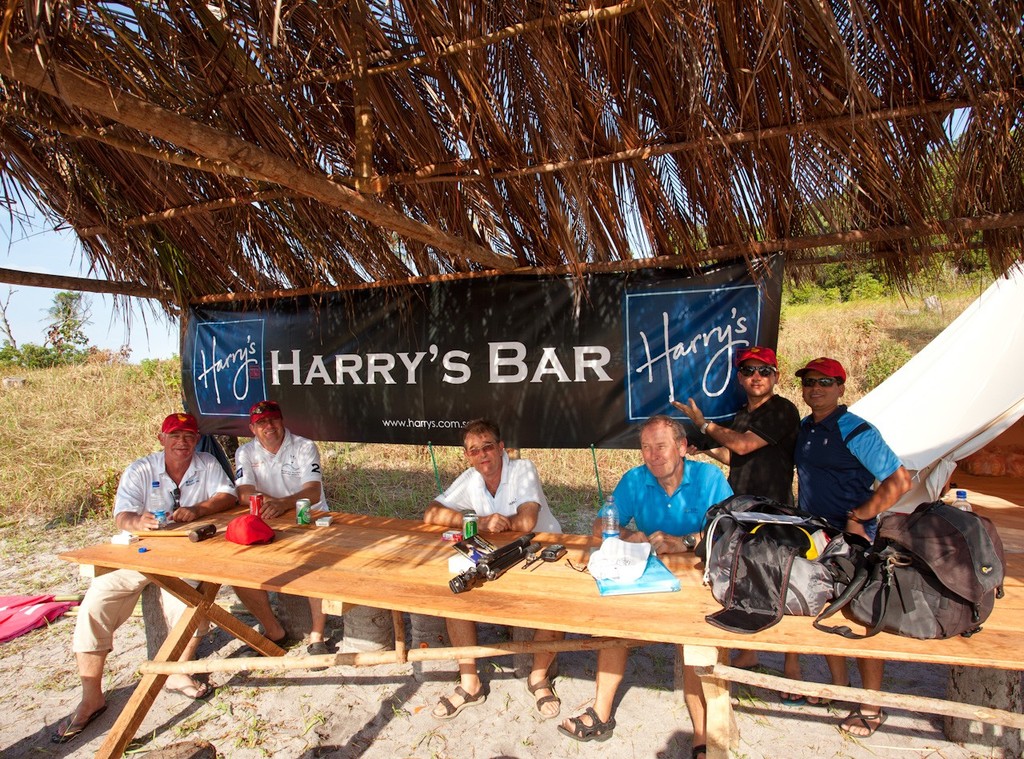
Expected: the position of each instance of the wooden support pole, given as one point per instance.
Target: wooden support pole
(859, 695)
(362, 112)
(373, 658)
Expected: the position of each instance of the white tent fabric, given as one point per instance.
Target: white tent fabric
(961, 391)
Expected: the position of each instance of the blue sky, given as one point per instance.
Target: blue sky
(35, 247)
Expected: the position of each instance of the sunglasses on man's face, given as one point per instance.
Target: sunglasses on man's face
(748, 371)
(819, 381)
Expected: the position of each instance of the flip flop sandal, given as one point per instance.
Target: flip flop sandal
(451, 711)
(870, 722)
(596, 731)
(792, 699)
(68, 729)
(545, 684)
(698, 750)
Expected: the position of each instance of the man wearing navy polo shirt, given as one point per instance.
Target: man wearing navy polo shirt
(839, 457)
(666, 499)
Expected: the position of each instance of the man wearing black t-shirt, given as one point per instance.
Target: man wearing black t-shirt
(759, 445)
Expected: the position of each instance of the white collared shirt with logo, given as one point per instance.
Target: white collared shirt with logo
(520, 484)
(146, 486)
(296, 463)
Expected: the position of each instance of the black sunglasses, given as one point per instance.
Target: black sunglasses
(176, 495)
(748, 371)
(819, 381)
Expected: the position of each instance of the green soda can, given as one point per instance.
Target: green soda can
(302, 509)
(469, 524)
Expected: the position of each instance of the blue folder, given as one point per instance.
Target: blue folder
(655, 579)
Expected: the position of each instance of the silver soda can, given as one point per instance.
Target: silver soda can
(256, 504)
(469, 524)
(302, 509)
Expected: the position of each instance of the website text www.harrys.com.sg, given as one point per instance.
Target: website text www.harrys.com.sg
(425, 424)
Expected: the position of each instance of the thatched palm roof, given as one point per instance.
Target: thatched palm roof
(238, 147)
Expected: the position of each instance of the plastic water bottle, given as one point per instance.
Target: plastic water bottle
(159, 510)
(609, 515)
(961, 501)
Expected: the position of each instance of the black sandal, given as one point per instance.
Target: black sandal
(697, 750)
(596, 731)
(545, 684)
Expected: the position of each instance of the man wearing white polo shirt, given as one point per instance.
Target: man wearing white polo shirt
(506, 495)
(185, 485)
(284, 468)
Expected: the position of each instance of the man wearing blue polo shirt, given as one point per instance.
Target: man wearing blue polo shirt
(839, 457)
(666, 499)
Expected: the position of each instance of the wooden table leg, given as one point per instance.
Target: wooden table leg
(721, 726)
(149, 686)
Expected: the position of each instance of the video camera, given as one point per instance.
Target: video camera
(494, 564)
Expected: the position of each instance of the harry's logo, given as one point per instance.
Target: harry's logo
(227, 366)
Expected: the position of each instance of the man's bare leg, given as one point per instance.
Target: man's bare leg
(539, 673)
(461, 632)
(693, 696)
(258, 604)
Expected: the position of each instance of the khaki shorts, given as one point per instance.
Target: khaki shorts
(109, 602)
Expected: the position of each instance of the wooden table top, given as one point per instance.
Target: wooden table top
(402, 565)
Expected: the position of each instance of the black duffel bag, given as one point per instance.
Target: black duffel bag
(933, 573)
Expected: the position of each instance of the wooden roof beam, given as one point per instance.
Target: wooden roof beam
(81, 284)
(81, 91)
(753, 249)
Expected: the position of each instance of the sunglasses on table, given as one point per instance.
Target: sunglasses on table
(819, 381)
(748, 371)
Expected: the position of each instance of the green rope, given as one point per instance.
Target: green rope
(437, 476)
(597, 475)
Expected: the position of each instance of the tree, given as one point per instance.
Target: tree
(69, 313)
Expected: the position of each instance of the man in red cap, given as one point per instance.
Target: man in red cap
(284, 468)
(758, 448)
(183, 484)
(758, 445)
(839, 458)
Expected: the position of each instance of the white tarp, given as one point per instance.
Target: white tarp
(961, 391)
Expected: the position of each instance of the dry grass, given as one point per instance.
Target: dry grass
(67, 434)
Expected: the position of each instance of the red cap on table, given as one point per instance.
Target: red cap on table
(248, 530)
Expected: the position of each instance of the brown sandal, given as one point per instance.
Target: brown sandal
(596, 731)
(451, 711)
(545, 684)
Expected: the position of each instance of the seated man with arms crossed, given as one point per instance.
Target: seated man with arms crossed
(666, 498)
(188, 486)
(284, 468)
(507, 496)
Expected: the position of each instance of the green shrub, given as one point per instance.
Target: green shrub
(889, 357)
(866, 287)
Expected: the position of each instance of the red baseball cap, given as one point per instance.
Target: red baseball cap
(264, 410)
(248, 530)
(827, 366)
(179, 423)
(757, 353)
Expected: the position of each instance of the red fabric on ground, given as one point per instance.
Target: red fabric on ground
(20, 614)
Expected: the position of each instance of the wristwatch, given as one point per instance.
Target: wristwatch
(704, 428)
(690, 541)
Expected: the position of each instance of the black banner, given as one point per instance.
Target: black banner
(558, 362)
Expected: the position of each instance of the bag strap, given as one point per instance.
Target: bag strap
(860, 580)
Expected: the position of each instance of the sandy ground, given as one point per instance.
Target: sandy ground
(384, 712)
